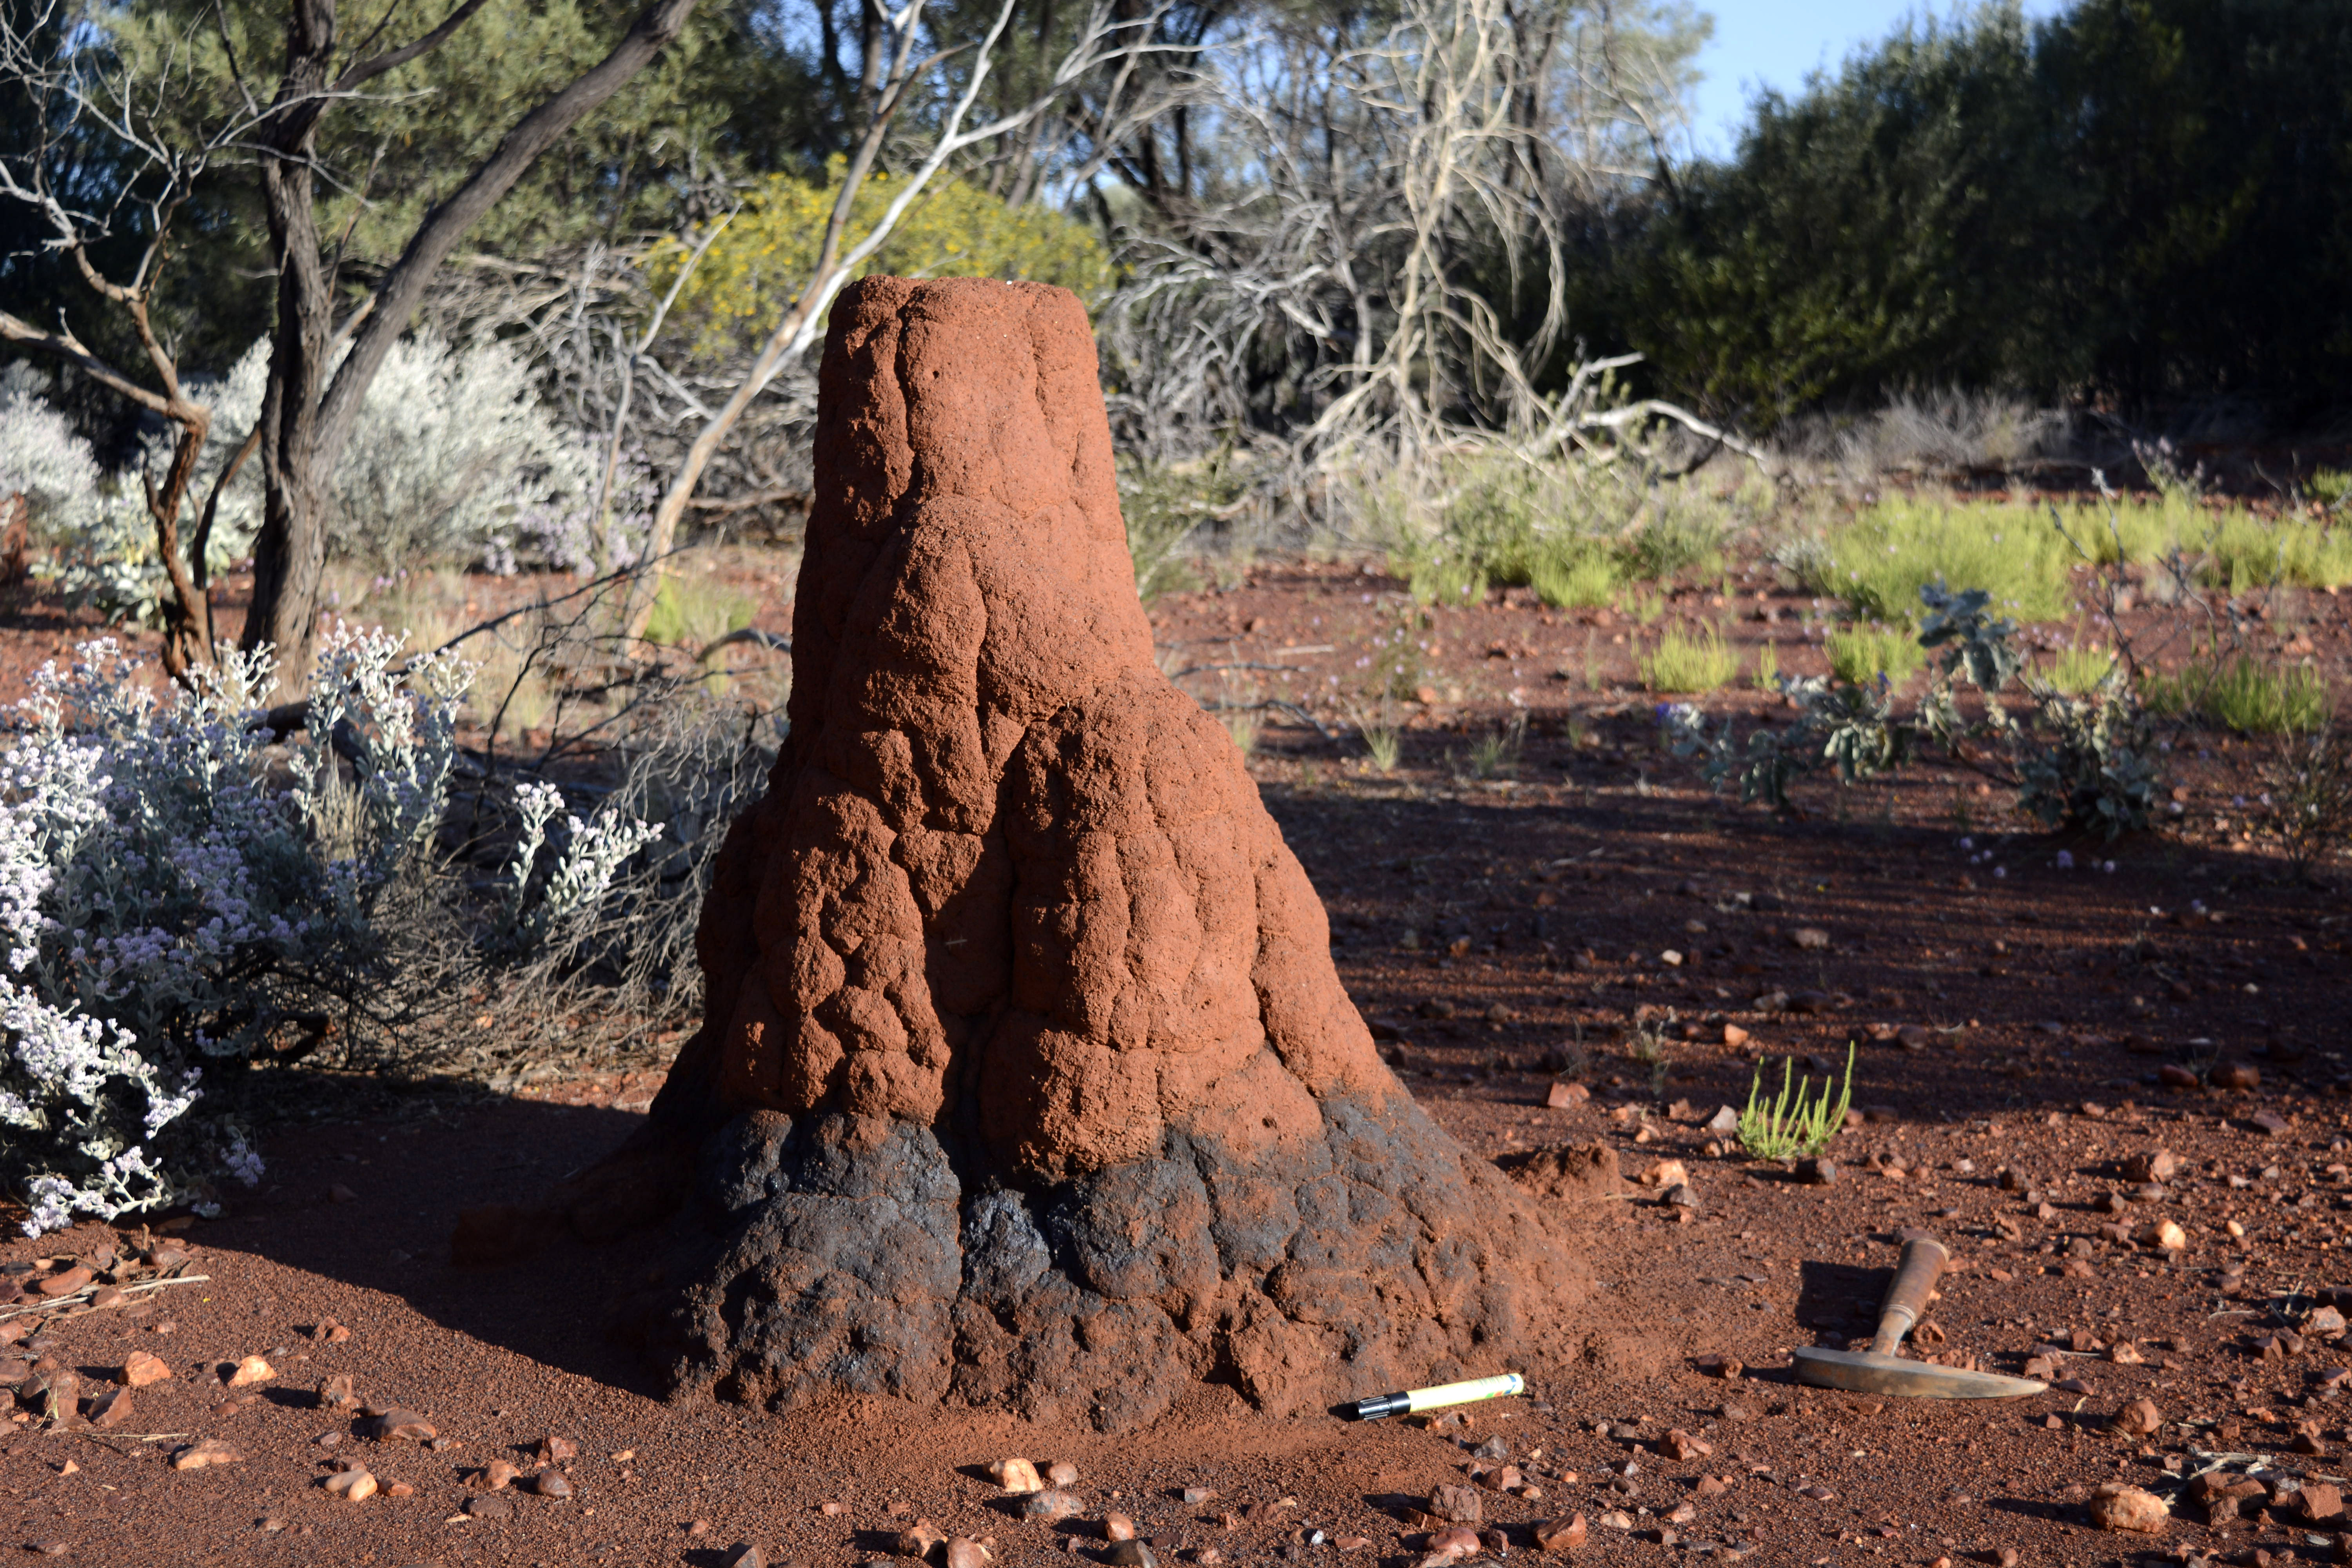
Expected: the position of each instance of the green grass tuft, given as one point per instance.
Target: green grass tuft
(1684, 663)
(691, 614)
(1880, 561)
(2256, 698)
(2078, 670)
(1573, 579)
(1861, 654)
(2248, 552)
(1382, 736)
(1795, 1122)
(2245, 694)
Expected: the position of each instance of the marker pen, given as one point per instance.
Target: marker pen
(1413, 1399)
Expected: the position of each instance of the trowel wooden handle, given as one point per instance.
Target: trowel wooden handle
(1914, 1281)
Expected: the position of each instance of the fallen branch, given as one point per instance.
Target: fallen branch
(90, 1291)
(753, 634)
(744, 503)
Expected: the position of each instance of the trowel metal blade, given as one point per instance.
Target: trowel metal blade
(1860, 1372)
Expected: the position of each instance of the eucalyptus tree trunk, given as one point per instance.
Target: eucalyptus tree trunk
(313, 403)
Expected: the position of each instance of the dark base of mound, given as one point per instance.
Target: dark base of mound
(834, 1254)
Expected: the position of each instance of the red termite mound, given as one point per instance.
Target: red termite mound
(1026, 1080)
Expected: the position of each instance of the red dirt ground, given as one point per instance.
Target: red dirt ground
(1499, 933)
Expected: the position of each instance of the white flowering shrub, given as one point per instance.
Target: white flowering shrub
(541, 898)
(41, 459)
(180, 888)
(454, 459)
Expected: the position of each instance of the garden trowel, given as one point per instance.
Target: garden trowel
(1879, 1370)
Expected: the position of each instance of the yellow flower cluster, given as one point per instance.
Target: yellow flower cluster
(954, 229)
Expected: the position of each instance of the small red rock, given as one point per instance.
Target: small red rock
(2118, 1506)
(1680, 1447)
(550, 1483)
(1454, 1541)
(140, 1368)
(2140, 1418)
(1016, 1475)
(64, 1282)
(404, 1425)
(203, 1454)
(1560, 1534)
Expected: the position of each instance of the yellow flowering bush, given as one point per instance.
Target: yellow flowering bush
(954, 229)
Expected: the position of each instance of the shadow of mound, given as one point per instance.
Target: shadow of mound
(410, 1172)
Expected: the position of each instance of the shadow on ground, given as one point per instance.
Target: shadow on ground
(408, 1171)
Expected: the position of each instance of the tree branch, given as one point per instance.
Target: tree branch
(401, 288)
(68, 347)
(393, 60)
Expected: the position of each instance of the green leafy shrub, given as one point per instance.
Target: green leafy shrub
(1498, 520)
(1677, 537)
(1165, 506)
(954, 229)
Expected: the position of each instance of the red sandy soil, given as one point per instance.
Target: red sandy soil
(1498, 934)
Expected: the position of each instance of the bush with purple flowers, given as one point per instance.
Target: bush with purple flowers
(181, 889)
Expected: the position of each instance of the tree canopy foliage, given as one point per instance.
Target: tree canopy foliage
(2141, 201)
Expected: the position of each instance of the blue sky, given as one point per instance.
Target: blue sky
(1775, 43)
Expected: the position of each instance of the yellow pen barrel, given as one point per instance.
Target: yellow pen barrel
(1510, 1383)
